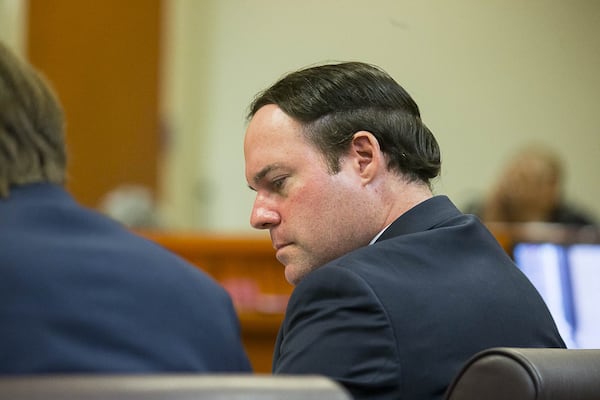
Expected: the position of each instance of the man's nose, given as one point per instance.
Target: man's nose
(263, 217)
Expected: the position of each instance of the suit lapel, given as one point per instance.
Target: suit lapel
(421, 217)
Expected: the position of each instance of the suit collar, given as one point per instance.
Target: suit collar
(421, 217)
(38, 193)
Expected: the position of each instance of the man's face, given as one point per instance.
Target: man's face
(313, 217)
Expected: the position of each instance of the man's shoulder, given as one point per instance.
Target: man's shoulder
(357, 277)
(72, 237)
(408, 257)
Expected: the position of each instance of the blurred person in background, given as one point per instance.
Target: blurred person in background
(530, 189)
(78, 291)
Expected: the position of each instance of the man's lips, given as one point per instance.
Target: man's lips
(279, 246)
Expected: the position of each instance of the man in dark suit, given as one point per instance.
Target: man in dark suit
(395, 288)
(79, 292)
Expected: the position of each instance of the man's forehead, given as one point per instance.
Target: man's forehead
(272, 119)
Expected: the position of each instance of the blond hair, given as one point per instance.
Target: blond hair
(32, 147)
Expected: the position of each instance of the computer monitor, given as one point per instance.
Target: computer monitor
(568, 279)
(584, 263)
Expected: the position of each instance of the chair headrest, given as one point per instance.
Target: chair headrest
(529, 373)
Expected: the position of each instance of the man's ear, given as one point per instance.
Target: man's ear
(366, 155)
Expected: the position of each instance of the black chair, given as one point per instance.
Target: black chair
(529, 374)
(170, 387)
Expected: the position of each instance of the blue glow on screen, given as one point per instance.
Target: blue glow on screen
(568, 279)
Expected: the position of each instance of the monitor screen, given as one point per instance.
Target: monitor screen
(568, 279)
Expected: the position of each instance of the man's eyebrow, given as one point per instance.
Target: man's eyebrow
(263, 172)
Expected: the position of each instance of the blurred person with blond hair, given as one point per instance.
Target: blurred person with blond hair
(78, 291)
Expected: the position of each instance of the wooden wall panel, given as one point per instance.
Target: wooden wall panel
(102, 57)
(246, 266)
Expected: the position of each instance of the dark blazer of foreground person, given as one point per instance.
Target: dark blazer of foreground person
(395, 288)
(397, 319)
(79, 293)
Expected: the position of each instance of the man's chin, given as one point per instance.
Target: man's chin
(293, 274)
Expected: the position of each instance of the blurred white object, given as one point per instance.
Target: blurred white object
(132, 205)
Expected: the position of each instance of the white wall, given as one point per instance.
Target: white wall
(488, 76)
(12, 24)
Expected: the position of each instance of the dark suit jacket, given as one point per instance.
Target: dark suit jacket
(398, 318)
(80, 293)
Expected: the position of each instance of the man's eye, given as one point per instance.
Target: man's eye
(278, 182)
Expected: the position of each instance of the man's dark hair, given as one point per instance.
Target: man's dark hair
(334, 101)
(32, 147)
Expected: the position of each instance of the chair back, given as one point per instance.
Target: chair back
(529, 374)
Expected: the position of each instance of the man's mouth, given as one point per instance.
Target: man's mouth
(279, 246)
